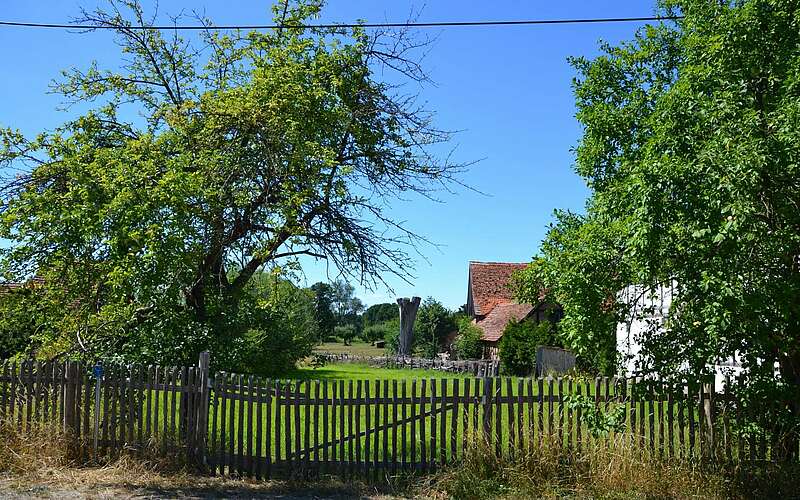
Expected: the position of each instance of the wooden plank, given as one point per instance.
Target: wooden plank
(297, 429)
(569, 418)
(475, 406)
(578, 418)
(341, 417)
(325, 425)
(661, 421)
(642, 398)
(434, 421)
(681, 429)
(520, 412)
(268, 385)
(29, 381)
(413, 416)
(350, 443)
(670, 425)
(232, 403)
(287, 423)
(149, 410)
(423, 436)
(443, 423)
(550, 409)
(376, 446)
(183, 397)
(512, 431)
(4, 393)
(37, 414)
(540, 409)
(174, 395)
(88, 420)
(561, 415)
(386, 418)
(221, 382)
(394, 426)
(498, 418)
(358, 462)
(316, 425)
(486, 404)
(453, 421)
(113, 399)
(651, 438)
(465, 418)
(250, 426)
(690, 409)
(214, 407)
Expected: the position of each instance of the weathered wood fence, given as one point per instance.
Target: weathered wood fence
(244, 425)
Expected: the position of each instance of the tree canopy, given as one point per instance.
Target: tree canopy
(691, 149)
(206, 160)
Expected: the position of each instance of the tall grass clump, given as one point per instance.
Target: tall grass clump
(40, 447)
(613, 467)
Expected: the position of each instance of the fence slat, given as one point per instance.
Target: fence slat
(386, 418)
(297, 429)
(454, 422)
(250, 426)
(358, 464)
(434, 427)
(268, 385)
(422, 435)
(413, 416)
(443, 423)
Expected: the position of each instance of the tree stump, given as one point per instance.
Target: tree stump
(408, 314)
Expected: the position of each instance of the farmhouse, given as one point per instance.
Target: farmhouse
(491, 303)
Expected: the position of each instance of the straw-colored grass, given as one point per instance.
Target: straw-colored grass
(611, 468)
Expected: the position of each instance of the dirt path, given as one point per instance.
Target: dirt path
(112, 483)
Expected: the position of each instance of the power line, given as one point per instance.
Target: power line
(442, 24)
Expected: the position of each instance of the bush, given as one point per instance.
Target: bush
(381, 331)
(434, 323)
(519, 342)
(468, 342)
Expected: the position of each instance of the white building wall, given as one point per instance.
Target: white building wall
(649, 307)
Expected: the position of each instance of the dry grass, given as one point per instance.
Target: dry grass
(40, 463)
(613, 468)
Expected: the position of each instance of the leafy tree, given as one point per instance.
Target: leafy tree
(519, 342)
(382, 331)
(24, 316)
(433, 324)
(467, 344)
(282, 331)
(346, 306)
(200, 164)
(346, 332)
(690, 148)
(378, 313)
(323, 312)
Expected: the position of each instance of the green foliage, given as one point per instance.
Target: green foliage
(599, 422)
(382, 331)
(283, 316)
(467, 344)
(378, 313)
(519, 342)
(433, 324)
(25, 317)
(323, 312)
(200, 165)
(345, 332)
(690, 148)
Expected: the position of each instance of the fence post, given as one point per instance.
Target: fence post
(69, 401)
(201, 416)
(707, 420)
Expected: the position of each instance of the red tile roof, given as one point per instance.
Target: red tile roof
(489, 284)
(495, 322)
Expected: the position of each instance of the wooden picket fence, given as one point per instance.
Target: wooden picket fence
(247, 426)
(478, 367)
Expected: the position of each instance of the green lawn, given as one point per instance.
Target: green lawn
(356, 349)
(359, 371)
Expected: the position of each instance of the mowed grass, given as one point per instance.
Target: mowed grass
(361, 371)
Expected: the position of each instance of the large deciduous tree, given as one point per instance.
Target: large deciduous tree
(691, 148)
(206, 160)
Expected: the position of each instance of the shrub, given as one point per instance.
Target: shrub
(434, 323)
(468, 342)
(381, 331)
(519, 342)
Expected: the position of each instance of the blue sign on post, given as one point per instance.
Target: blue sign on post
(97, 371)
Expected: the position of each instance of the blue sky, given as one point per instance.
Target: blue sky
(507, 89)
